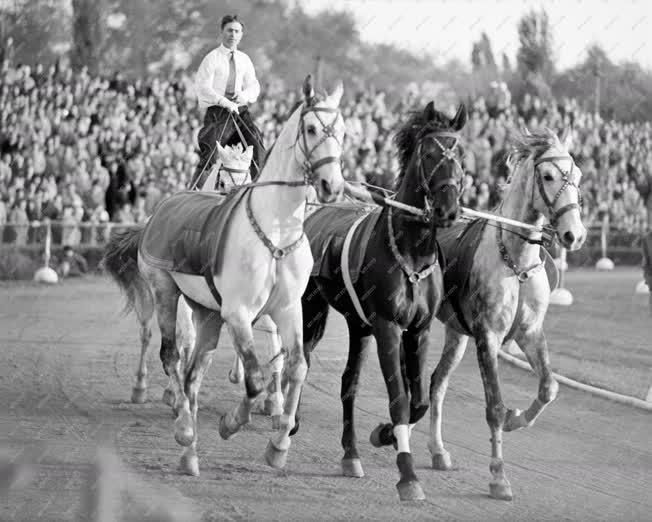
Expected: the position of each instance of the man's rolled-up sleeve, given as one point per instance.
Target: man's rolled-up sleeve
(206, 94)
(250, 85)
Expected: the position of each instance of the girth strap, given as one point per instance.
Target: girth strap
(346, 273)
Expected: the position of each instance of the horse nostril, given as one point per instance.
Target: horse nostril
(452, 215)
(326, 187)
(439, 212)
(569, 237)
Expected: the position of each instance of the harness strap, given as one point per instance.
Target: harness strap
(346, 273)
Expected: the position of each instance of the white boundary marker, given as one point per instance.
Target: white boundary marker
(45, 274)
(605, 394)
(641, 288)
(561, 296)
(604, 263)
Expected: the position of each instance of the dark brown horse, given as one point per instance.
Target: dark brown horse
(388, 285)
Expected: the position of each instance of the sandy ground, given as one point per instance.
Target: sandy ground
(65, 382)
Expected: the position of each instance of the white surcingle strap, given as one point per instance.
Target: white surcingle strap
(346, 274)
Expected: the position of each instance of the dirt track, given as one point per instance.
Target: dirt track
(65, 382)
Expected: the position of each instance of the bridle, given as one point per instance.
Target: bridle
(301, 143)
(448, 155)
(555, 213)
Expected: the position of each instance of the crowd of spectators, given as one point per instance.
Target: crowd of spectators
(76, 148)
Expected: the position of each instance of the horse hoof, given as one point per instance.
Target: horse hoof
(275, 457)
(224, 430)
(139, 395)
(442, 461)
(500, 491)
(410, 490)
(234, 378)
(189, 465)
(168, 397)
(184, 434)
(515, 420)
(376, 438)
(276, 422)
(352, 468)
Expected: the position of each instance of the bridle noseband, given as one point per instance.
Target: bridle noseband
(555, 214)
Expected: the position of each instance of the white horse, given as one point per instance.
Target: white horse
(232, 171)
(260, 266)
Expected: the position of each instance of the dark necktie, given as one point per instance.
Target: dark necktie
(230, 83)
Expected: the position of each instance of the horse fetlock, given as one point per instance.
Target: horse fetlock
(548, 391)
(497, 468)
(496, 415)
(515, 420)
(184, 432)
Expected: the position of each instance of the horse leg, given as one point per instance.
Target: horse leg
(487, 352)
(185, 334)
(388, 337)
(273, 404)
(236, 373)
(166, 296)
(144, 306)
(454, 348)
(536, 350)
(242, 334)
(315, 314)
(359, 341)
(209, 327)
(290, 325)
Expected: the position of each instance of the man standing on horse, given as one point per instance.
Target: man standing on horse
(226, 83)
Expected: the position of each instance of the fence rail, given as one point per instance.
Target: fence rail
(19, 235)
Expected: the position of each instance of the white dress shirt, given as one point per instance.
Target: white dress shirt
(213, 74)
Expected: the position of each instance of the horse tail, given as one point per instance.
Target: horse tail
(120, 260)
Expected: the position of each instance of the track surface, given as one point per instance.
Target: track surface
(68, 361)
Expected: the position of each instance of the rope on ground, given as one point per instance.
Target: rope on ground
(600, 392)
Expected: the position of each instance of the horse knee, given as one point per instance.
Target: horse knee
(548, 390)
(418, 410)
(496, 415)
(169, 355)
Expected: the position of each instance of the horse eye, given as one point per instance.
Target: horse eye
(311, 130)
(548, 177)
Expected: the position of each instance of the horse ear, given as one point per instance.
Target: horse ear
(429, 112)
(336, 95)
(460, 118)
(308, 91)
(566, 138)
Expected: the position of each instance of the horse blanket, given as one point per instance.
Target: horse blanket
(187, 230)
(459, 244)
(327, 228)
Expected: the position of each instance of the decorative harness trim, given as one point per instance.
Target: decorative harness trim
(413, 277)
(346, 273)
(277, 253)
(522, 275)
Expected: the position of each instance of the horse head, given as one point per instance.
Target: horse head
(555, 183)
(430, 157)
(320, 140)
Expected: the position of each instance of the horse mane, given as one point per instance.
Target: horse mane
(410, 133)
(533, 144)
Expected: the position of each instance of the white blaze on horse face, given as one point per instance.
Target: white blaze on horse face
(570, 229)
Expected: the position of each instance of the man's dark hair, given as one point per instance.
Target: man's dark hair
(227, 19)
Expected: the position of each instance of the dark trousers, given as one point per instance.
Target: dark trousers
(218, 126)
